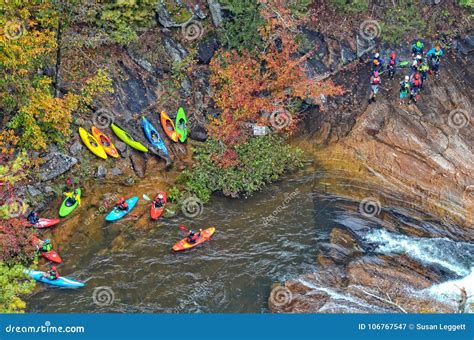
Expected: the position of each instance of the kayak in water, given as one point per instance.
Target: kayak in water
(69, 204)
(203, 237)
(168, 127)
(127, 139)
(48, 255)
(153, 136)
(45, 223)
(60, 282)
(157, 211)
(181, 125)
(92, 144)
(105, 142)
(117, 214)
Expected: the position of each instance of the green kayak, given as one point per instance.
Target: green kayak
(69, 205)
(127, 139)
(180, 126)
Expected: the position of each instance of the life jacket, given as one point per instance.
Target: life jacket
(375, 80)
(392, 62)
(417, 82)
(404, 86)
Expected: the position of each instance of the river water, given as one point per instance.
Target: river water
(129, 266)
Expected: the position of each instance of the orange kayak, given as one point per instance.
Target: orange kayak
(155, 212)
(168, 127)
(105, 142)
(205, 236)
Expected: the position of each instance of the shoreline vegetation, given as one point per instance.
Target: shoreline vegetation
(55, 80)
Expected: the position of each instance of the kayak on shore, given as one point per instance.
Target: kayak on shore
(156, 212)
(45, 223)
(69, 205)
(117, 214)
(153, 136)
(105, 142)
(92, 143)
(59, 282)
(168, 127)
(127, 139)
(48, 255)
(203, 237)
(181, 125)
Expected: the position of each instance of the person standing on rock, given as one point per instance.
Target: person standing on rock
(434, 55)
(417, 48)
(377, 62)
(374, 83)
(423, 69)
(392, 65)
(404, 89)
(415, 86)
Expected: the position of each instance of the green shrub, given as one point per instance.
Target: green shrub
(262, 160)
(241, 32)
(399, 21)
(14, 283)
(355, 6)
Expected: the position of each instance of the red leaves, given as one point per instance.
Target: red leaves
(15, 241)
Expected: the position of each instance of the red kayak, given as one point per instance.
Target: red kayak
(45, 223)
(48, 255)
(155, 212)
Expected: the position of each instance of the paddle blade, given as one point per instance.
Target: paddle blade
(146, 198)
(183, 228)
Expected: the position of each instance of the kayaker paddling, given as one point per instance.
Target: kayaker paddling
(159, 200)
(52, 274)
(46, 246)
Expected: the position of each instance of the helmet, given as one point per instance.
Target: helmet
(392, 55)
(377, 55)
(160, 196)
(407, 78)
(418, 44)
(417, 75)
(53, 268)
(376, 73)
(419, 57)
(437, 48)
(47, 241)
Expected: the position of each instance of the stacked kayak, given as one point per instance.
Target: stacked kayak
(127, 139)
(48, 255)
(168, 127)
(153, 136)
(45, 223)
(181, 125)
(60, 282)
(117, 214)
(205, 236)
(156, 212)
(69, 205)
(104, 142)
(92, 144)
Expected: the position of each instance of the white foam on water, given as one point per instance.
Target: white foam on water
(449, 291)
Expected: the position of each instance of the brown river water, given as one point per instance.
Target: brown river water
(271, 237)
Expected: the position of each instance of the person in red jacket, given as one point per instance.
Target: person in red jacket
(52, 274)
(416, 84)
(122, 204)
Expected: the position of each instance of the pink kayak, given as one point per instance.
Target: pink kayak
(45, 223)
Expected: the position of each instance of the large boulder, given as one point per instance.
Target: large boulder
(206, 50)
(55, 164)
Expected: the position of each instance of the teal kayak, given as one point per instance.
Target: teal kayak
(60, 282)
(117, 214)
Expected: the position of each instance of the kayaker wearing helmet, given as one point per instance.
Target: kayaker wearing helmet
(47, 246)
(122, 204)
(392, 65)
(159, 200)
(417, 48)
(52, 274)
(377, 62)
(416, 84)
(193, 237)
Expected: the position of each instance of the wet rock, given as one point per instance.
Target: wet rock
(33, 190)
(129, 181)
(466, 45)
(198, 132)
(175, 50)
(116, 171)
(101, 171)
(75, 148)
(186, 88)
(55, 164)
(206, 50)
(49, 191)
(138, 163)
(121, 146)
(216, 12)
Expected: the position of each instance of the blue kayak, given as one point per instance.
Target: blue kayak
(153, 136)
(117, 214)
(60, 282)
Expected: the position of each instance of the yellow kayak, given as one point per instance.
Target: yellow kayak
(92, 143)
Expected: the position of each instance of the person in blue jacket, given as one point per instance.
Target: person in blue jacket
(434, 56)
(417, 48)
(377, 62)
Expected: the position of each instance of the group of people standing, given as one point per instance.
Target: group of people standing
(411, 85)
